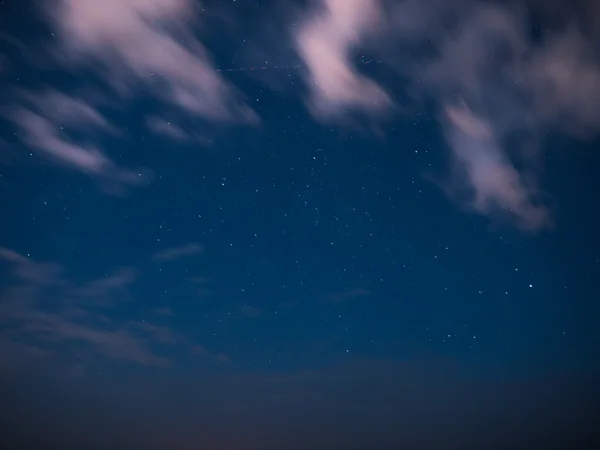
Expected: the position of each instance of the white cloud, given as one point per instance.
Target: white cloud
(324, 42)
(133, 39)
(47, 121)
(478, 63)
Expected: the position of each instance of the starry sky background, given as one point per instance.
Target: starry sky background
(282, 224)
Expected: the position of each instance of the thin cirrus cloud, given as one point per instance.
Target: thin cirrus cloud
(481, 66)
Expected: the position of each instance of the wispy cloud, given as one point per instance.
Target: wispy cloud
(494, 184)
(324, 42)
(150, 43)
(45, 314)
(470, 61)
(161, 334)
(28, 323)
(26, 269)
(66, 110)
(116, 343)
(103, 289)
(48, 120)
(38, 315)
(178, 252)
(16, 354)
(135, 48)
(162, 127)
(495, 83)
(491, 79)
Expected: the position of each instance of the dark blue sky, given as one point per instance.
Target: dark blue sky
(330, 224)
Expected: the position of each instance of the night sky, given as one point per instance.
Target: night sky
(328, 224)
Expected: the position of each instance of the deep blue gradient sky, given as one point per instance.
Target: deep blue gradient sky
(246, 261)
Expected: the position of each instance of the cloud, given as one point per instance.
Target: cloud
(198, 350)
(161, 334)
(149, 43)
(162, 127)
(107, 285)
(15, 350)
(38, 317)
(498, 88)
(324, 42)
(45, 314)
(493, 182)
(467, 61)
(135, 47)
(115, 343)
(67, 110)
(30, 271)
(29, 323)
(565, 77)
(175, 253)
(47, 121)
